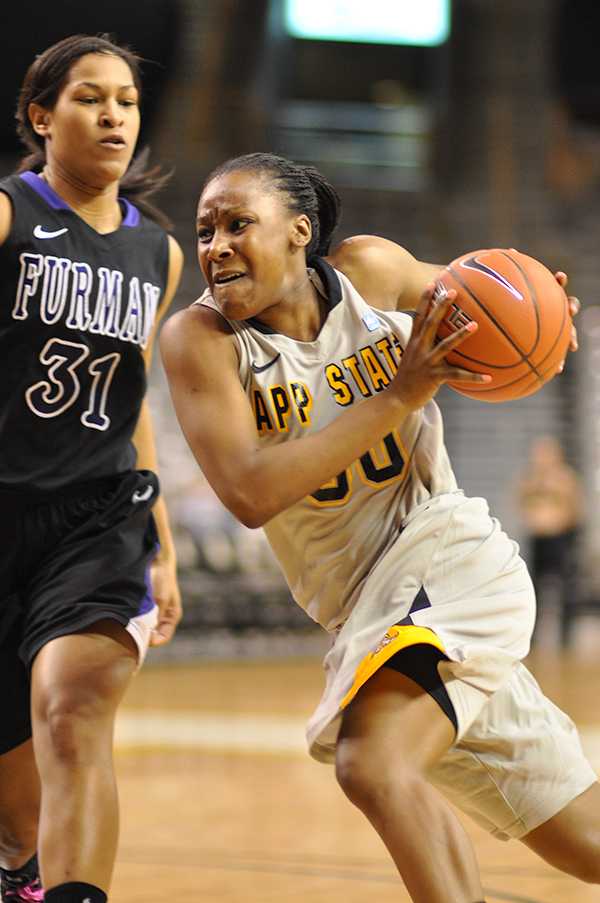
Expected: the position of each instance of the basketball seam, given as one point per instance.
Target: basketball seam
(499, 327)
(533, 294)
(491, 389)
(534, 298)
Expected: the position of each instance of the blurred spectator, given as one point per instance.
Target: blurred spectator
(551, 505)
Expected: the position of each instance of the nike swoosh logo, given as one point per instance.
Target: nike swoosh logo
(142, 495)
(472, 263)
(40, 232)
(260, 369)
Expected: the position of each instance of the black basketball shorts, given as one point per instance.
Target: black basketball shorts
(69, 559)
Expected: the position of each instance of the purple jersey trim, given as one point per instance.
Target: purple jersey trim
(131, 215)
(43, 189)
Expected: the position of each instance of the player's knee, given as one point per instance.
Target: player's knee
(370, 781)
(354, 772)
(71, 721)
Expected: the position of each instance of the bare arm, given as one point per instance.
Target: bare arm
(384, 273)
(164, 575)
(256, 482)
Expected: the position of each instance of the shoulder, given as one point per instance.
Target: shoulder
(198, 347)
(363, 251)
(386, 275)
(6, 215)
(199, 319)
(197, 328)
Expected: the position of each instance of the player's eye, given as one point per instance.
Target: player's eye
(204, 235)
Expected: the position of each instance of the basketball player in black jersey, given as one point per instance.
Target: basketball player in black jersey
(87, 271)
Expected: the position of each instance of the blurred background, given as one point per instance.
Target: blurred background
(447, 125)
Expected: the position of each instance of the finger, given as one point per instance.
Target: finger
(423, 308)
(574, 305)
(162, 633)
(441, 303)
(455, 374)
(573, 344)
(446, 345)
(561, 278)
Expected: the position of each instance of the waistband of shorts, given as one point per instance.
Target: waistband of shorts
(28, 497)
(445, 500)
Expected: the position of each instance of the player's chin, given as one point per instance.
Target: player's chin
(108, 171)
(236, 307)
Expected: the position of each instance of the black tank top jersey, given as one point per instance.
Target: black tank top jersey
(76, 311)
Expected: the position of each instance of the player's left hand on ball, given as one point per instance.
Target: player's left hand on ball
(165, 590)
(574, 308)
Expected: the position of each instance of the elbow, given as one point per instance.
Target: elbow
(252, 519)
(251, 511)
(250, 515)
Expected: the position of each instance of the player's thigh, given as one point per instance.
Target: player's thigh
(393, 718)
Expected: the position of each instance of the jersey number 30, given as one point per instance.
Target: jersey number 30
(377, 468)
(54, 395)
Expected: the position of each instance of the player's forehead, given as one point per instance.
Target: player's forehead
(100, 69)
(233, 191)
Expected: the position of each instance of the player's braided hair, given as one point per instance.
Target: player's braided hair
(43, 83)
(307, 190)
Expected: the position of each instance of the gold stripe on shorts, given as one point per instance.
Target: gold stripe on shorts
(398, 637)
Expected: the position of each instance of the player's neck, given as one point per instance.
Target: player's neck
(97, 206)
(300, 314)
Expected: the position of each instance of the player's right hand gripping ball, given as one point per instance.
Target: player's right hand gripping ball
(523, 318)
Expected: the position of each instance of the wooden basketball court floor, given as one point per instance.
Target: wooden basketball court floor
(221, 802)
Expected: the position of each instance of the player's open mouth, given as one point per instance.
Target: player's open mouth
(226, 278)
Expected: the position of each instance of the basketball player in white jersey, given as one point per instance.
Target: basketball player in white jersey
(306, 396)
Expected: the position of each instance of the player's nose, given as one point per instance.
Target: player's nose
(219, 248)
(111, 115)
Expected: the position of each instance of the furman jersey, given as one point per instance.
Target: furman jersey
(77, 311)
(330, 541)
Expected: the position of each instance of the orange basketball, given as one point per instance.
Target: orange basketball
(523, 319)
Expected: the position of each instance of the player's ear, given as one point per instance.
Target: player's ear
(39, 118)
(301, 231)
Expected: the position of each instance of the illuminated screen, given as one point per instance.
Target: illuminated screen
(419, 22)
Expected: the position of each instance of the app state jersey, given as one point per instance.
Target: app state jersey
(77, 310)
(328, 542)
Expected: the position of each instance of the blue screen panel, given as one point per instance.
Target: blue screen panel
(416, 22)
